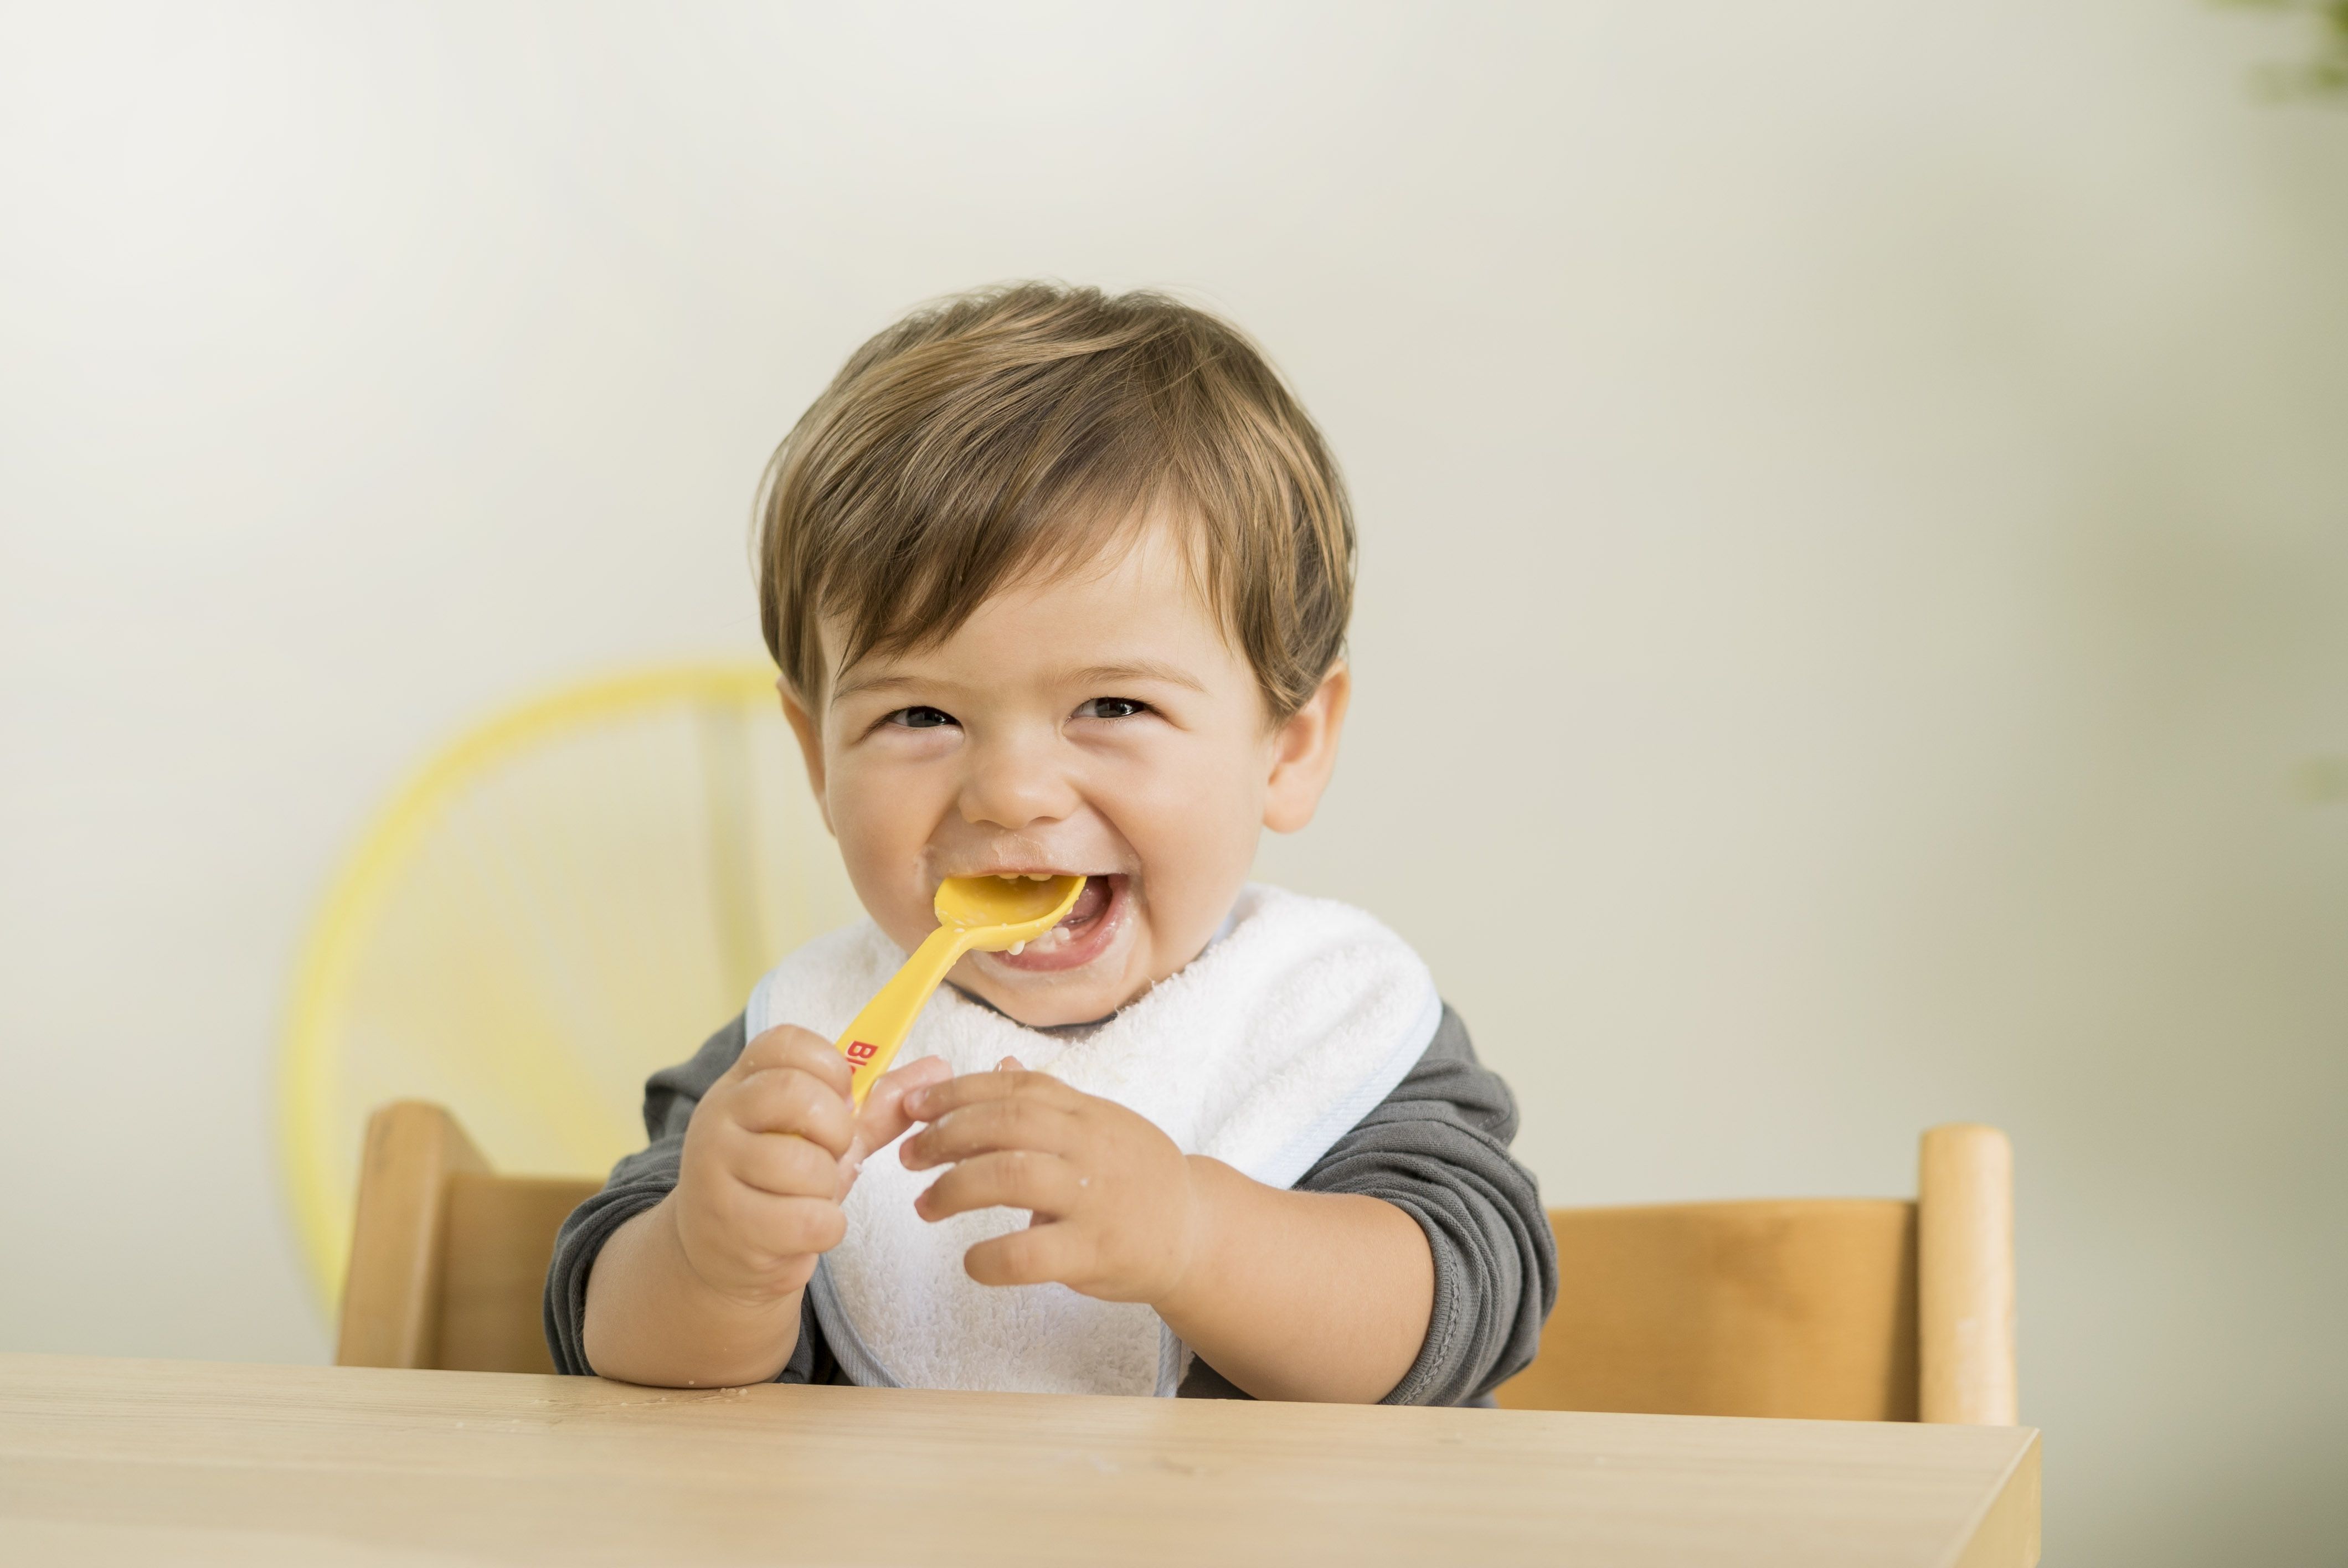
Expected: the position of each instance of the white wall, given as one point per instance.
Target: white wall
(1856, 599)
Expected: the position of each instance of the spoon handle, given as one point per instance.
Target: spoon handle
(871, 1042)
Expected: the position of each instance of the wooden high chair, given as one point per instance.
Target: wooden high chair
(447, 1259)
(1840, 1309)
(1851, 1309)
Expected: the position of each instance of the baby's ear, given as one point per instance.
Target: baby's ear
(810, 738)
(1304, 753)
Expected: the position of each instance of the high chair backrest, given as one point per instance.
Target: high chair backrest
(448, 1258)
(1847, 1309)
(1850, 1310)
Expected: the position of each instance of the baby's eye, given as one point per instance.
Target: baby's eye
(1110, 708)
(919, 717)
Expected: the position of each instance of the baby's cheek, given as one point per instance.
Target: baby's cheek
(889, 884)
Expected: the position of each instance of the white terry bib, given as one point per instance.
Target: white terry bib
(1263, 1053)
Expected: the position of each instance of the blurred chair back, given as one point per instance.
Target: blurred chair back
(1847, 1309)
(573, 893)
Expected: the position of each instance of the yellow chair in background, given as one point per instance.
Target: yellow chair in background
(572, 895)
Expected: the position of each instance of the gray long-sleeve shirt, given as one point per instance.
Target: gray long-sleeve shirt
(1436, 1148)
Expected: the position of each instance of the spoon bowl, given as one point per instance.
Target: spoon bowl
(1001, 911)
(988, 912)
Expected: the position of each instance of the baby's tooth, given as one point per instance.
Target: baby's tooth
(1017, 948)
(1039, 876)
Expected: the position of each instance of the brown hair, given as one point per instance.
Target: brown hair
(1015, 429)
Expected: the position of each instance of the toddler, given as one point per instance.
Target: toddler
(1058, 583)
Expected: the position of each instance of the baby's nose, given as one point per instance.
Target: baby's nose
(1014, 785)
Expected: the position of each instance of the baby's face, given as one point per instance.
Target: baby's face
(1098, 723)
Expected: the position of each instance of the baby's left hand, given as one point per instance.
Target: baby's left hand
(1115, 1216)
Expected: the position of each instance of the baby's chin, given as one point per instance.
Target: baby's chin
(1048, 998)
(1087, 1001)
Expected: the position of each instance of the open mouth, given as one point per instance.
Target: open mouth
(1087, 933)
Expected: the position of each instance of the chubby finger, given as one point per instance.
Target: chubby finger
(764, 1229)
(1040, 1255)
(789, 1045)
(1003, 1083)
(884, 1116)
(1011, 1179)
(783, 1165)
(990, 1125)
(790, 1100)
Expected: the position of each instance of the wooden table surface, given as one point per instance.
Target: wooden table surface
(199, 1462)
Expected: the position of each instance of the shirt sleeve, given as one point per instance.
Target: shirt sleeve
(1438, 1148)
(635, 1184)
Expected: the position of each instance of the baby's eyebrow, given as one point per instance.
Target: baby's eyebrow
(1144, 670)
(1090, 675)
(868, 683)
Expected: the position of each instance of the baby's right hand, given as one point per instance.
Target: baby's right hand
(770, 1154)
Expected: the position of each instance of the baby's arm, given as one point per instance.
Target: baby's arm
(1290, 1295)
(704, 1287)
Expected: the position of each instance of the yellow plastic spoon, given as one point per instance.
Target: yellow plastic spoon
(989, 913)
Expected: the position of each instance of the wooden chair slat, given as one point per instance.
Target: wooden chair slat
(1837, 1308)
